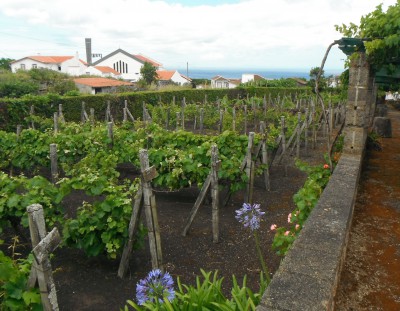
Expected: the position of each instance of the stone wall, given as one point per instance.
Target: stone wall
(308, 276)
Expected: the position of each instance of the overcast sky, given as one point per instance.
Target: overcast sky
(238, 34)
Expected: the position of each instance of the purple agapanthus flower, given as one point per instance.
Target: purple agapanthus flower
(250, 215)
(155, 287)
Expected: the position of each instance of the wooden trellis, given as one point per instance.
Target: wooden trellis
(43, 244)
(210, 183)
(145, 195)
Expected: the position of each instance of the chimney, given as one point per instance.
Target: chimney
(88, 44)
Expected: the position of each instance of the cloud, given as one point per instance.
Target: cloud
(244, 33)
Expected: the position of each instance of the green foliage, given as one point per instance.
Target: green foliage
(382, 30)
(13, 280)
(5, 63)
(207, 294)
(276, 83)
(148, 73)
(305, 199)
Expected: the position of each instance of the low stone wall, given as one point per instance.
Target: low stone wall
(308, 275)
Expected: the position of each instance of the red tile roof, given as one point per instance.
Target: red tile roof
(107, 69)
(165, 75)
(50, 59)
(100, 82)
(148, 60)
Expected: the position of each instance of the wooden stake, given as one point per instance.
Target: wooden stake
(214, 192)
(150, 210)
(53, 163)
(41, 271)
(250, 169)
(133, 226)
(55, 120)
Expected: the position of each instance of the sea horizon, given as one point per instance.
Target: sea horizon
(208, 73)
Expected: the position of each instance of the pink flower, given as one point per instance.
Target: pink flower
(289, 218)
(297, 227)
(326, 166)
(287, 233)
(273, 227)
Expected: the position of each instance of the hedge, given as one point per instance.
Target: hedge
(14, 111)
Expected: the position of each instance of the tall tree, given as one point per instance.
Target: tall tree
(381, 31)
(149, 73)
(5, 63)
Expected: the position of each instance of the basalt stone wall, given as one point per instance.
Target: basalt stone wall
(308, 276)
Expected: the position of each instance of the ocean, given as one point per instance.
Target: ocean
(237, 73)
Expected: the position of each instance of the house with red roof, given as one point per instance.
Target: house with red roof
(100, 85)
(219, 82)
(128, 65)
(166, 77)
(71, 65)
(102, 71)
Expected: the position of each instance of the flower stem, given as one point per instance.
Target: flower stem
(260, 256)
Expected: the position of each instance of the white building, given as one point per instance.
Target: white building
(102, 71)
(172, 76)
(127, 64)
(71, 65)
(219, 82)
(247, 77)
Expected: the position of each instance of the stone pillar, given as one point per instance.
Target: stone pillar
(359, 105)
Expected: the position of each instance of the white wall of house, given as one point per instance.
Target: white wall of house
(177, 78)
(96, 72)
(28, 64)
(127, 66)
(73, 67)
(246, 77)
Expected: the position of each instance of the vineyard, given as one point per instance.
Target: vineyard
(87, 177)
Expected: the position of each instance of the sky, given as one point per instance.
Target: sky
(234, 34)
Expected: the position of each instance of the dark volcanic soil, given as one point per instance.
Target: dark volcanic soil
(92, 284)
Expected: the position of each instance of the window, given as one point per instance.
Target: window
(121, 67)
(23, 66)
(59, 68)
(34, 66)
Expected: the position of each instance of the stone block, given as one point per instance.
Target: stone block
(358, 93)
(382, 126)
(354, 139)
(356, 117)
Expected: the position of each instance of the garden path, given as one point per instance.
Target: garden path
(370, 278)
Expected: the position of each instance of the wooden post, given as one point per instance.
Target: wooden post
(19, 130)
(110, 133)
(250, 169)
(245, 119)
(168, 116)
(178, 116)
(41, 269)
(298, 135)
(125, 113)
(306, 133)
(264, 155)
(55, 120)
(331, 119)
(283, 134)
(84, 116)
(214, 192)
(53, 163)
(183, 113)
(92, 116)
(150, 210)
(31, 114)
(314, 125)
(233, 119)
(60, 113)
(212, 180)
(221, 120)
(133, 226)
(201, 120)
(265, 106)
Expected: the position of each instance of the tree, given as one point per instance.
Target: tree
(381, 34)
(314, 71)
(5, 63)
(149, 73)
